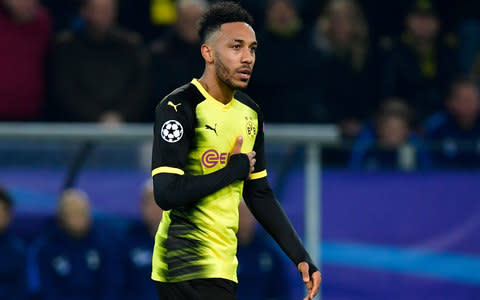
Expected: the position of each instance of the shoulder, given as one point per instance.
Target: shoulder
(183, 99)
(15, 243)
(187, 93)
(435, 124)
(245, 99)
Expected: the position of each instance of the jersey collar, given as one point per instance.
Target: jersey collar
(209, 97)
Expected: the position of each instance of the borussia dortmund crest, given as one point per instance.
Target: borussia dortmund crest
(251, 129)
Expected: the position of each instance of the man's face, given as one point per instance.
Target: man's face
(424, 27)
(465, 103)
(186, 24)
(342, 25)
(234, 54)
(75, 216)
(5, 217)
(22, 10)
(393, 131)
(100, 14)
(281, 15)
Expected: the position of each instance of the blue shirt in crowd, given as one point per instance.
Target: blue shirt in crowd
(64, 268)
(137, 263)
(261, 272)
(12, 267)
(453, 146)
(366, 154)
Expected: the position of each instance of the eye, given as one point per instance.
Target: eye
(253, 49)
(236, 46)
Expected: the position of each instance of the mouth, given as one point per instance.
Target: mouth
(245, 73)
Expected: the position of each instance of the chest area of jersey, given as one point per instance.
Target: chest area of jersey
(217, 130)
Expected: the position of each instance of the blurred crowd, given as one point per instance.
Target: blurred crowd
(72, 256)
(388, 73)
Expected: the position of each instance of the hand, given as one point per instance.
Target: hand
(237, 148)
(312, 283)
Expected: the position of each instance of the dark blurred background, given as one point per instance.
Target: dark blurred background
(399, 79)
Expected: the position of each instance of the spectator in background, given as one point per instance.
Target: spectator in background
(457, 128)
(377, 146)
(176, 56)
(13, 276)
(287, 73)
(341, 34)
(139, 241)
(24, 36)
(99, 72)
(261, 274)
(420, 66)
(69, 260)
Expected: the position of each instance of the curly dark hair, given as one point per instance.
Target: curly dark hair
(220, 13)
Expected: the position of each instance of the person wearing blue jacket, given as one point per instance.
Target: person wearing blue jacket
(70, 261)
(454, 132)
(139, 240)
(376, 147)
(12, 255)
(261, 269)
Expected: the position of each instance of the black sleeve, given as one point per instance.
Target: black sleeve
(262, 203)
(173, 133)
(260, 164)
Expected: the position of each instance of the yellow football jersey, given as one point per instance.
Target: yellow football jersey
(194, 135)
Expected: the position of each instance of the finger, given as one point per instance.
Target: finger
(252, 162)
(237, 148)
(316, 279)
(303, 267)
(309, 285)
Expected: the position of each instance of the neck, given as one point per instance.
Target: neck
(216, 88)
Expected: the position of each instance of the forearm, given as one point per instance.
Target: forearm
(172, 191)
(267, 210)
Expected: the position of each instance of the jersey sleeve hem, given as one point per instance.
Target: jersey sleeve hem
(168, 170)
(258, 175)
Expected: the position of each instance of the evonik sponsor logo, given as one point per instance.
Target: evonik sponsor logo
(211, 158)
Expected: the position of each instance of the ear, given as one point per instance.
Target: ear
(207, 53)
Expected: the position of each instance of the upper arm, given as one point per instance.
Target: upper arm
(173, 132)
(260, 168)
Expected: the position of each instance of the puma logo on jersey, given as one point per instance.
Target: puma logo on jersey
(170, 103)
(211, 128)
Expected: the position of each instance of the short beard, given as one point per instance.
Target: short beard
(223, 74)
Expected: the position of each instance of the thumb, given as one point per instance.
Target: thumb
(237, 148)
(303, 268)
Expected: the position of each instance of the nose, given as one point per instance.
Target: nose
(248, 56)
